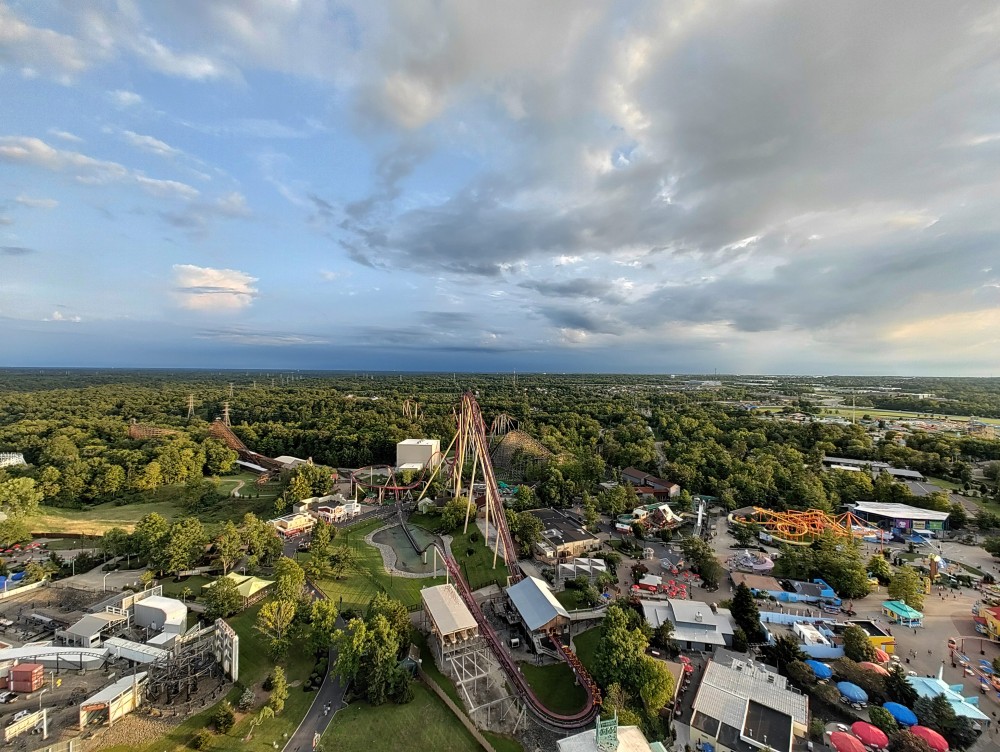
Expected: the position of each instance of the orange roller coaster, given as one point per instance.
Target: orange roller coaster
(803, 527)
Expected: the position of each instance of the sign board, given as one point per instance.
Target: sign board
(22, 725)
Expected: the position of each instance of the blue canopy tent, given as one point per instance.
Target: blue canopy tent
(902, 714)
(852, 692)
(821, 670)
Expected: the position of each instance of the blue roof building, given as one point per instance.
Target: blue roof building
(930, 688)
(900, 613)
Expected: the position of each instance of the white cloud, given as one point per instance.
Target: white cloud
(35, 49)
(150, 144)
(59, 316)
(200, 288)
(35, 152)
(37, 203)
(565, 260)
(65, 136)
(125, 99)
(161, 58)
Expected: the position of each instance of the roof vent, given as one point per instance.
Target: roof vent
(698, 617)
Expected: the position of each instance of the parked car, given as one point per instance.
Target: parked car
(6, 697)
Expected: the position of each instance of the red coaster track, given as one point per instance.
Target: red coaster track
(471, 440)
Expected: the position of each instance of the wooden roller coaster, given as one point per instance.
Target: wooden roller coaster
(144, 431)
(224, 433)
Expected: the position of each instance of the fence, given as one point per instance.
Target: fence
(9, 592)
(73, 745)
(459, 713)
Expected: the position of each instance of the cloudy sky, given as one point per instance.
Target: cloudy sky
(678, 186)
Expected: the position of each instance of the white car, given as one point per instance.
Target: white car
(843, 727)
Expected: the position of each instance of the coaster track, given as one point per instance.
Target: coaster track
(471, 440)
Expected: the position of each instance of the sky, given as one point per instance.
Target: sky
(766, 186)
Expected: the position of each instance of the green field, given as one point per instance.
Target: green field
(570, 599)
(555, 686)
(877, 414)
(477, 566)
(169, 501)
(194, 583)
(255, 664)
(585, 645)
(423, 724)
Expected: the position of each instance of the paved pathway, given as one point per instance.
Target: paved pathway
(328, 700)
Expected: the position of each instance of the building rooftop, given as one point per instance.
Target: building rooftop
(247, 585)
(932, 687)
(93, 624)
(899, 511)
(113, 691)
(535, 603)
(558, 529)
(447, 610)
(768, 726)
(900, 608)
(630, 739)
(727, 688)
(693, 621)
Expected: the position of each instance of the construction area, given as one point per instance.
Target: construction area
(74, 661)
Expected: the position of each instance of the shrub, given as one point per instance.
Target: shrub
(223, 718)
(202, 739)
(268, 683)
(474, 537)
(246, 700)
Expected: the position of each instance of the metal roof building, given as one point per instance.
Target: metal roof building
(536, 605)
(696, 625)
(930, 688)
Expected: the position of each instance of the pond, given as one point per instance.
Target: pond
(408, 560)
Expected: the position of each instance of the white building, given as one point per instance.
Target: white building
(159, 613)
(809, 635)
(11, 459)
(697, 626)
(416, 454)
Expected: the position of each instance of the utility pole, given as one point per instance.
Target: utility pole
(190, 406)
(225, 413)
(230, 390)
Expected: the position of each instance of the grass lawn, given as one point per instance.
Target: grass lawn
(585, 645)
(228, 482)
(555, 686)
(570, 599)
(421, 725)
(255, 663)
(67, 544)
(173, 589)
(477, 566)
(355, 590)
(947, 485)
(97, 519)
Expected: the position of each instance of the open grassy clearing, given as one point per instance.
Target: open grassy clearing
(421, 725)
(194, 583)
(585, 645)
(555, 686)
(877, 414)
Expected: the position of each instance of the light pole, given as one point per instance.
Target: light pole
(104, 584)
(40, 697)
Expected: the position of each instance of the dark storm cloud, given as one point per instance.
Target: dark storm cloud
(735, 131)
(16, 250)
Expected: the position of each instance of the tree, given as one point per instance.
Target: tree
(223, 718)
(322, 624)
(150, 537)
(883, 719)
(898, 689)
(367, 655)
(394, 611)
(219, 459)
(616, 658)
(590, 515)
(185, 544)
(655, 682)
(746, 533)
(318, 565)
(343, 559)
(525, 528)
(116, 542)
(228, 546)
(274, 620)
(906, 585)
(222, 599)
(801, 675)
(289, 579)
(904, 741)
(453, 513)
(18, 498)
(747, 615)
(783, 652)
(992, 546)
(878, 566)
(711, 574)
(857, 646)
(663, 635)
(279, 690)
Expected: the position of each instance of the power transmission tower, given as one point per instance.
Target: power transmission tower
(190, 406)
(225, 413)
(230, 390)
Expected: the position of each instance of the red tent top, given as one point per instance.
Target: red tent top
(881, 656)
(845, 742)
(873, 667)
(871, 735)
(932, 737)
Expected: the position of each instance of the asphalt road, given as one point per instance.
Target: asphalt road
(329, 699)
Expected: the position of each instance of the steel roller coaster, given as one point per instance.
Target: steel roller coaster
(471, 442)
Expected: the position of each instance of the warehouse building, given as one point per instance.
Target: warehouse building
(902, 518)
(417, 454)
